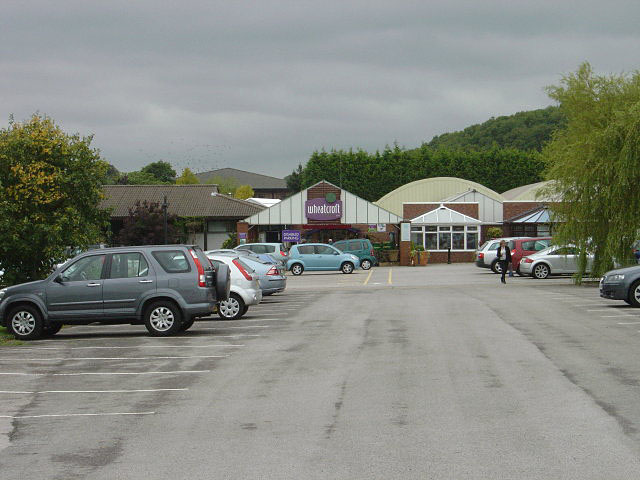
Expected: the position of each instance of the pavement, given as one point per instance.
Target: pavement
(435, 372)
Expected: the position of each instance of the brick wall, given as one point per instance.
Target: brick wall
(413, 210)
(511, 209)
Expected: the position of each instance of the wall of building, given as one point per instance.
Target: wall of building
(413, 210)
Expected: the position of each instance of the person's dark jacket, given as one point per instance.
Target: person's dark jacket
(499, 251)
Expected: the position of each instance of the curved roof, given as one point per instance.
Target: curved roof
(527, 193)
(436, 190)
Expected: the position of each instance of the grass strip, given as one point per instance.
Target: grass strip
(8, 340)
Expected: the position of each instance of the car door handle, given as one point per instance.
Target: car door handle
(145, 281)
(93, 284)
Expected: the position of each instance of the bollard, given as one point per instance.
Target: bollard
(449, 255)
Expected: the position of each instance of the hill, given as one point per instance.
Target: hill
(524, 130)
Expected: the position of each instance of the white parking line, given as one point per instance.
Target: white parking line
(616, 316)
(15, 392)
(628, 323)
(75, 374)
(58, 359)
(60, 415)
(61, 338)
(610, 309)
(227, 328)
(128, 347)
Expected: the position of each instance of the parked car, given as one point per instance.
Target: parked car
(278, 250)
(522, 247)
(486, 254)
(244, 291)
(320, 256)
(554, 260)
(245, 253)
(164, 287)
(622, 284)
(271, 274)
(361, 248)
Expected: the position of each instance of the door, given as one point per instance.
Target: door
(327, 258)
(307, 254)
(129, 279)
(564, 260)
(78, 292)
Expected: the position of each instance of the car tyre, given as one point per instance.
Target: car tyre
(297, 269)
(347, 267)
(232, 308)
(366, 264)
(634, 294)
(496, 267)
(541, 271)
(163, 318)
(26, 323)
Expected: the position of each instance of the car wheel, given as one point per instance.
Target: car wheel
(366, 264)
(496, 267)
(347, 267)
(297, 269)
(162, 319)
(186, 325)
(246, 309)
(541, 271)
(231, 308)
(634, 294)
(51, 329)
(25, 322)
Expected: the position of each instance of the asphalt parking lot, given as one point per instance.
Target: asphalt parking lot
(434, 372)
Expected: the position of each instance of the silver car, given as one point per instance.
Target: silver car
(486, 254)
(554, 260)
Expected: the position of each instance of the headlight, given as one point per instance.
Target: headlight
(615, 278)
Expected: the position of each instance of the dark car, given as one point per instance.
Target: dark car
(165, 287)
(622, 284)
(361, 248)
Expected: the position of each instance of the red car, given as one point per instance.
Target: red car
(523, 247)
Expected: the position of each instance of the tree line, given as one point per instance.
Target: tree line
(372, 175)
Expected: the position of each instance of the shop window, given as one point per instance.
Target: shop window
(456, 237)
(417, 236)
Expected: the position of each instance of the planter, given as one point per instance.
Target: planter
(419, 258)
(392, 255)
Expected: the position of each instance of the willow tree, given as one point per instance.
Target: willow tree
(595, 165)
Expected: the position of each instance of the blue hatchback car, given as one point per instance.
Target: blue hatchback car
(320, 256)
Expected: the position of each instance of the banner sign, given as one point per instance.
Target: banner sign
(292, 236)
(322, 210)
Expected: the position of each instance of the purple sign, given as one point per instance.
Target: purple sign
(242, 236)
(292, 236)
(320, 209)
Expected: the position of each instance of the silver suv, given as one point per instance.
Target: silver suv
(165, 287)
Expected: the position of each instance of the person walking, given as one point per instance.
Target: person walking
(504, 257)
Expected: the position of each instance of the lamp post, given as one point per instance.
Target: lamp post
(165, 205)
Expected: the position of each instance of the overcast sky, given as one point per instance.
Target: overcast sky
(260, 85)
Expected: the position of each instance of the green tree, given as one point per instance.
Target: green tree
(226, 185)
(595, 165)
(294, 180)
(187, 178)
(145, 226)
(50, 191)
(111, 176)
(140, 178)
(162, 170)
(243, 192)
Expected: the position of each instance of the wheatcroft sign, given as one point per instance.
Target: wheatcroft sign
(323, 209)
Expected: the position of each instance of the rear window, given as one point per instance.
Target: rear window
(204, 260)
(245, 266)
(482, 246)
(172, 261)
(494, 246)
(306, 250)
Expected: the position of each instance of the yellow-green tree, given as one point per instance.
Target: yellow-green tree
(595, 165)
(187, 178)
(226, 185)
(243, 192)
(50, 190)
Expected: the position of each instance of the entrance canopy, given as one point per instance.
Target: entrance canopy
(444, 216)
(539, 216)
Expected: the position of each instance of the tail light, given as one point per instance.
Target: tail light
(513, 252)
(372, 253)
(273, 271)
(527, 260)
(202, 280)
(480, 256)
(242, 270)
(284, 254)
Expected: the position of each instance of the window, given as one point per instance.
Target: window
(172, 261)
(128, 265)
(87, 268)
(456, 237)
(306, 250)
(258, 248)
(355, 245)
(217, 226)
(541, 245)
(524, 230)
(325, 250)
(529, 246)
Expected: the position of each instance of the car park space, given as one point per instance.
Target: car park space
(312, 365)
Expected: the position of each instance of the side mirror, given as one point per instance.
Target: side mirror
(336, 253)
(58, 279)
